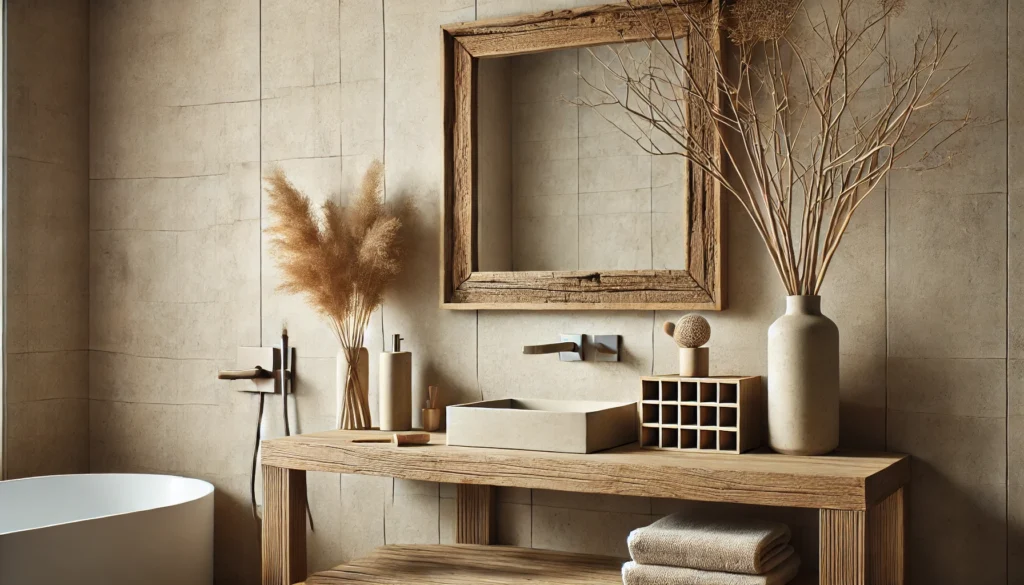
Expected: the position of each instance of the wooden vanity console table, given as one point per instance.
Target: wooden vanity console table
(860, 498)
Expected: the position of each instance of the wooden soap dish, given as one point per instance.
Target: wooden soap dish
(714, 414)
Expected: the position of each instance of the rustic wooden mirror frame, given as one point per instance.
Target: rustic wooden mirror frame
(462, 285)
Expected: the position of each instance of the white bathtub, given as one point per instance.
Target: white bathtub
(115, 529)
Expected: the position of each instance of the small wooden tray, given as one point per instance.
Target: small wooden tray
(714, 414)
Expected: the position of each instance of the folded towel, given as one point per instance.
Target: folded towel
(637, 574)
(749, 546)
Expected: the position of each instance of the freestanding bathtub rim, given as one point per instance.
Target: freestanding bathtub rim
(196, 490)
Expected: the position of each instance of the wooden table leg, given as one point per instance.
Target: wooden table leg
(864, 548)
(284, 526)
(476, 514)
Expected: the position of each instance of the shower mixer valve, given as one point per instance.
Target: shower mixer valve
(262, 365)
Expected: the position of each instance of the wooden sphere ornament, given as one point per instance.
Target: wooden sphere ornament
(690, 333)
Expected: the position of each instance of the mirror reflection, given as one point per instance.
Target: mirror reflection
(564, 182)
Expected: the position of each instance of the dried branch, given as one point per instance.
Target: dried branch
(814, 119)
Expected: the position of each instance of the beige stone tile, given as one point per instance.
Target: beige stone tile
(40, 193)
(615, 241)
(299, 43)
(957, 531)
(515, 524)
(515, 495)
(544, 77)
(189, 203)
(592, 502)
(442, 342)
(962, 387)
(326, 507)
(981, 90)
(541, 121)
(42, 260)
(585, 531)
(1015, 387)
(175, 54)
(564, 206)
(362, 117)
(362, 39)
(53, 36)
(171, 330)
(505, 372)
(668, 242)
(127, 378)
(947, 253)
(47, 376)
(963, 450)
(615, 173)
(1015, 177)
(496, 8)
(362, 505)
(530, 154)
(611, 202)
(236, 536)
(46, 322)
(544, 178)
(137, 141)
(412, 519)
(301, 122)
(1015, 532)
(447, 521)
(411, 487)
(668, 184)
(545, 243)
(47, 437)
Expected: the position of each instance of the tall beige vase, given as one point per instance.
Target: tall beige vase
(803, 379)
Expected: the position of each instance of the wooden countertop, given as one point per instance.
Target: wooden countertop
(845, 480)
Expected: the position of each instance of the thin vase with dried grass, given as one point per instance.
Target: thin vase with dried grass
(341, 260)
(814, 105)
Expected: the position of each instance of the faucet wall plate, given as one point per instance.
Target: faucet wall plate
(572, 356)
(268, 358)
(606, 348)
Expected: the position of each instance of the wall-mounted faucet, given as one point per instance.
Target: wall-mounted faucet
(570, 349)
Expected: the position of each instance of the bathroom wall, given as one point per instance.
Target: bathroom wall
(191, 101)
(47, 238)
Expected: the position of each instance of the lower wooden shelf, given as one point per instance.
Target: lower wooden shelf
(465, 564)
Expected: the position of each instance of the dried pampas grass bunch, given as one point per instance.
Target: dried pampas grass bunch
(342, 260)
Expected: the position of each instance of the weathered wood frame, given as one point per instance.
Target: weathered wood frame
(701, 287)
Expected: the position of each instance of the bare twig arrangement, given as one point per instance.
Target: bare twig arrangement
(813, 118)
(342, 263)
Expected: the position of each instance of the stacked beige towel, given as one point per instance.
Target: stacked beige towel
(679, 550)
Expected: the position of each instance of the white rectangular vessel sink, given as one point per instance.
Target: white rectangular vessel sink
(564, 426)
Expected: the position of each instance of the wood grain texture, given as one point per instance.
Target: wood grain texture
(284, 525)
(838, 481)
(577, 27)
(476, 514)
(700, 287)
(864, 547)
(471, 564)
(562, 290)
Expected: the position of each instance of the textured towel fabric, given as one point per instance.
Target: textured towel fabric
(636, 574)
(749, 546)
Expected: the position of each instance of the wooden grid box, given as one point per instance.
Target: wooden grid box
(714, 414)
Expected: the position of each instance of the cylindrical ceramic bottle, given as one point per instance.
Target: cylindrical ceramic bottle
(803, 379)
(396, 388)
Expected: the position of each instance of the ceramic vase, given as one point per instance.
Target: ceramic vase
(354, 378)
(803, 379)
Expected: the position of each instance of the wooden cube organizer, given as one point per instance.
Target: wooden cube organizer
(714, 414)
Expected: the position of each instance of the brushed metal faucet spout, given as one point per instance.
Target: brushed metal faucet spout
(550, 348)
